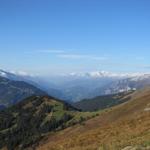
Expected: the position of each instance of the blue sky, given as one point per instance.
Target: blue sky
(60, 36)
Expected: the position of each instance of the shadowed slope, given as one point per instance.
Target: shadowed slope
(12, 92)
(103, 102)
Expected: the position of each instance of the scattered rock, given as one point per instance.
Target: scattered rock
(147, 109)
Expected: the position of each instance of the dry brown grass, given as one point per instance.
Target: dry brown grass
(121, 126)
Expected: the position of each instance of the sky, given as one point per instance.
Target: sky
(62, 36)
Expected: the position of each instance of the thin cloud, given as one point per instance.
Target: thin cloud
(51, 51)
(45, 52)
(72, 56)
(66, 55)
(78, 56)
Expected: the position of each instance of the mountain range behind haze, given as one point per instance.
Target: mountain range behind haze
(71, 87)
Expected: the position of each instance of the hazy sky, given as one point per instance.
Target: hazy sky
(58, 36)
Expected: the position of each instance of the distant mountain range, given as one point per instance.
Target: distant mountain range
(78, 86)
(100, 74)
(89, 85)
(35, 81)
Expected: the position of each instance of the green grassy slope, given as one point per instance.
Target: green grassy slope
(27, 122)
(102, 102)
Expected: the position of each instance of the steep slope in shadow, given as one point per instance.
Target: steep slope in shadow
(103, 102)
(13, 91)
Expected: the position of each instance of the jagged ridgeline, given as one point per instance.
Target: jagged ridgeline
(27, 122)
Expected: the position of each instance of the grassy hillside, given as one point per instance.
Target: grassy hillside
(123, 127)
(102, 102)
(27, 122)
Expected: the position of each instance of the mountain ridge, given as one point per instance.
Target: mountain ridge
(25, 123)
(103, 102)
(78, 86)
(99, 74)
(13, 91)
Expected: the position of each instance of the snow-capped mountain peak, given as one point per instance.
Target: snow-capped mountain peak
(3, 74)
(16, 76)
(100, 74)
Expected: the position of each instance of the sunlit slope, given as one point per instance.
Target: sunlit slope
(121, 127)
